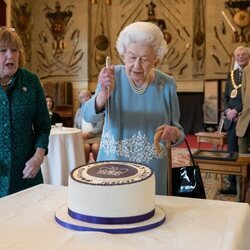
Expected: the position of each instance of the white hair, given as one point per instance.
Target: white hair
(142, 32)
(242, 48)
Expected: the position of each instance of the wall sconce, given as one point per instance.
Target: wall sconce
(58, 45)
(159, 22)
(108, 2)
(58, 23)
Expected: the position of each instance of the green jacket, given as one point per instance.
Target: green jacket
(24, 126)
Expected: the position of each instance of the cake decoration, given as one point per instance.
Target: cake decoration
(112, 173)
(112, 197)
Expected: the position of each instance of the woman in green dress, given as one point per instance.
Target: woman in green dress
(25, 123)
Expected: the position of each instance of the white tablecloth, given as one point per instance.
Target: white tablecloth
(27, 222)
(65, 153)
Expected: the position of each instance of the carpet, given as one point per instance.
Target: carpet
(212, 182)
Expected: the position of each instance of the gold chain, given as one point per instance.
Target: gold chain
(233, 81)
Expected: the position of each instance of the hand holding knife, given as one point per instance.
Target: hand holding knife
(108, 62)
(108, 65)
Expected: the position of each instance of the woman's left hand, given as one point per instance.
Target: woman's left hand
(169, 133)
(33, 165)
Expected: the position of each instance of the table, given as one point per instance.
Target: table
(217, 138)
(27, 222)
(65, 153)
(240, 167)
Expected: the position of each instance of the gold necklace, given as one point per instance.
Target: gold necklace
(143, 88)
(5, 84)
(234, 92)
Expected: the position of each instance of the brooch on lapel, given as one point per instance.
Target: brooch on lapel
(24, 89)
(161, 84)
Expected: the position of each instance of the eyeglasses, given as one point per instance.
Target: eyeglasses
(7, 28)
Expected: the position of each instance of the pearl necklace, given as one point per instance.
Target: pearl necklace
(5, 84)
(143, 88)
(234, 92)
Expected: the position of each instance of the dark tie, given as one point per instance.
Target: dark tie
(240, 76)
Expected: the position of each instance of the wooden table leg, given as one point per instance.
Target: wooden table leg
(247, 198)
(244, 181)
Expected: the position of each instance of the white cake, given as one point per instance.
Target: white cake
(111, 197)
(111, 190)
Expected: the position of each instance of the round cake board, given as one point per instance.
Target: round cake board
(62, 217)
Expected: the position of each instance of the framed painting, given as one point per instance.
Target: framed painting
(211, 102)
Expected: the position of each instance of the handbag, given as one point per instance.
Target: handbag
(187, 180)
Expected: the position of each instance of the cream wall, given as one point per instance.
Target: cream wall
(78, 21)
(89, 19)
(8, 15)
(37, 34)
(182, 17)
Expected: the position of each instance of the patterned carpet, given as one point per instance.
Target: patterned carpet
(180, 157)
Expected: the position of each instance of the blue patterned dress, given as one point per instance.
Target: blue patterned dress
(131, 121)
(24, 126)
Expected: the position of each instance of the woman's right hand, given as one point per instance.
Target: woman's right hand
(107, 80)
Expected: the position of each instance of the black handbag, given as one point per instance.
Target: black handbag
(187, 181)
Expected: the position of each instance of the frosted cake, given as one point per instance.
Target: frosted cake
(112, 194)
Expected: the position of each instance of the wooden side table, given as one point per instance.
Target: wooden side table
(240, 167)
(216, 138)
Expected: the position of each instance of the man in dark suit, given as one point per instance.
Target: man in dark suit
(233, 106)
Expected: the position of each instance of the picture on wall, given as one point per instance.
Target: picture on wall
(223, 86)
(211, 102)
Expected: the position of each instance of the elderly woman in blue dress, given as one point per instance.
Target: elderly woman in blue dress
(24, 119)
(138, 100)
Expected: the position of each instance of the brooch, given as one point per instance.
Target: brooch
(161, 84)
(24, 89)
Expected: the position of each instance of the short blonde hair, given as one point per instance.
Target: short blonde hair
(146, 33)
(9, 38)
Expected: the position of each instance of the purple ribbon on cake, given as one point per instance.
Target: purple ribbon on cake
(111, 221)
(112, 230)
